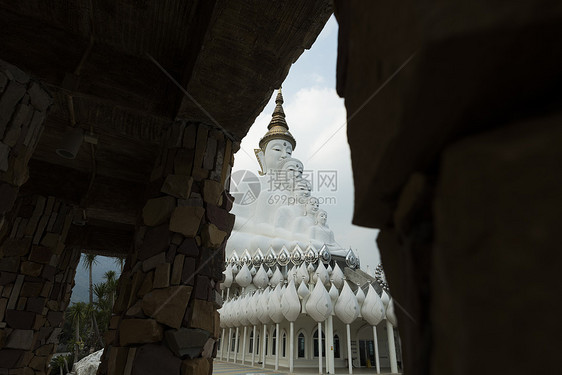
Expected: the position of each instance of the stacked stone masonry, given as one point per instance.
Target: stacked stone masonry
(36, 279)
(36, 270)
(165, 318)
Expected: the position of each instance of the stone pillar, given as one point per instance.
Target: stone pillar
(165, 318)
(36, 273)
(36, 280)
(23, 107)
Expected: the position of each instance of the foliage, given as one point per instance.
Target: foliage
(58, 365)
(79, 331)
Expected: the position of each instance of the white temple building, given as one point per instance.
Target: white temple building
(288, 282)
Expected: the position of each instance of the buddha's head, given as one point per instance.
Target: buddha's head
(312, 206)
(276, 152)
(278, 143)
(293, 169)
(321, 217)
(301, 191)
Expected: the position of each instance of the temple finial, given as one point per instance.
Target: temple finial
(278, 127)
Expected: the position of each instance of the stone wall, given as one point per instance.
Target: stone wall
(36, 280)
(454, 130)
(165, 318)
(36, 270)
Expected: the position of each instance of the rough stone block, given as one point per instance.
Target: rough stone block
(40, 254)
(186, 220)
(31, 268)
(153, 262)
(189, 247)
(178, 186)
(7, 277)
(45, 349)
(16, 247)
(197, 366)
(186, 341)
(55, 318)
(10, 358)
(190, 136)
(220, 217)
(10, 97)
(36, 304)
(168, 305)
(20, 339)
(208, 348)
(188, 272)
(146, 285)
(130, 360)
(155, 359)
(31, 289)
(117, 360)
(15, 292)
(156, 240)
(3, 303)
(212, 236)
(210, 153)
(183, 162)
(157, 211)
(177, 269)
(39, 363)
(9, 264)
(139, 331)
(202, 287)
(40, 98)
(212, 191)
(135, 311)
(162, 276)
(202, 315)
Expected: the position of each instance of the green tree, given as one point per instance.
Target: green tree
(77, 313)
(111, 281)
(88, 262)
(120, 262)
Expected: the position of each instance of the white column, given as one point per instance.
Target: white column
(376, 342)
(244, 346)
(236, 346)
(391, 347)
(291, 345)
(254, 345)
(263, 347)
(320, 348)
(327, 366)
(222, 344)
(349, 359)
(277, 339)
(330, 342)
(228, 344)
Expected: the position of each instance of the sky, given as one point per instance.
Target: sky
(316, 117)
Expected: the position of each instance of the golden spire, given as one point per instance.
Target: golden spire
(278, 128)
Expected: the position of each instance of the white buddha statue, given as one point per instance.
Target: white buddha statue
(284, 213)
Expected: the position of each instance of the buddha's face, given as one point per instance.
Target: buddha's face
(294, 169)
(322, 217)
(312, 206)
(276, 151)
(302, 191)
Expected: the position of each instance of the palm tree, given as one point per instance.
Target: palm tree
(91, 313)
(88, 262)
(77, 312)
(60, 361)
(120, 262)
(111, 282)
